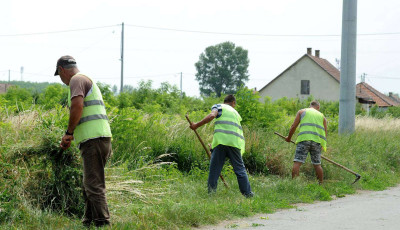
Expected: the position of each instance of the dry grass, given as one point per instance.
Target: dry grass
(130, 188)
(375, 124)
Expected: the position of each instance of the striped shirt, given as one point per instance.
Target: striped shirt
(217, 107)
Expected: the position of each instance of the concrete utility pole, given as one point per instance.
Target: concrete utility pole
(347, 103)
(181, 85)
(22, 71)
(122, 58)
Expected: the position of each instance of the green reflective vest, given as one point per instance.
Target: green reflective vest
(227, 129)
(312, 127)
(94, 120)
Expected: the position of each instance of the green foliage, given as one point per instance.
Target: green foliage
(394, 111)
(382, 112)
(222, 69)
(36, 87)
(159, 170)
(169, 135)
(9, 201)
(107, 94)
(18, 97)
(46, 177)
(54, 95)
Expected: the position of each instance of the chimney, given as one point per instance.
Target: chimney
(390, 94)
(317, 53)
(309, 51)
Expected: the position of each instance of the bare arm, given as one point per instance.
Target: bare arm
(293, 128)
(326, 127)
(75, 113)
(74, 117)
(205, 120)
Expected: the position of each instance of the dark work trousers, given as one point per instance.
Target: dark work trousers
(218, 157)
(95, 153)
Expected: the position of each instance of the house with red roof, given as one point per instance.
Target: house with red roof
(394, 97)
(309, 75)
(369, 96)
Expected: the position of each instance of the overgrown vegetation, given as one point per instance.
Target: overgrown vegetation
(157, 176)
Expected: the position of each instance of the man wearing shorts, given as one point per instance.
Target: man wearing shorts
(311, 138)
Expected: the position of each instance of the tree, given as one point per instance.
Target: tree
(52, 95)
(222, 69)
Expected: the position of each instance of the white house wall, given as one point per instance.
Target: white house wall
(322, 85)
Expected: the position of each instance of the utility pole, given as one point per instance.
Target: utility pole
(122, 58)
(363, 77)
(181, 86)
(347, 102)
(22, 71)
(9, 76)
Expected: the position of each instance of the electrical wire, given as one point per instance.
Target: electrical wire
(251, 34)
(381, 77)
(141, 77)
(197, 31)
(57, 32)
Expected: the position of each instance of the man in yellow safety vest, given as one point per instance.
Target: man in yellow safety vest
(88, 126)
(228, 141)
(311, 138)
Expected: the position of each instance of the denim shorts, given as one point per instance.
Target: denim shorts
(305, 147)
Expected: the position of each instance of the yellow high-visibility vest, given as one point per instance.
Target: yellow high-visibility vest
(227, 129)
(94, 120)
(312, 127)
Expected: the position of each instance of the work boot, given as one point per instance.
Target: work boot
(102, 223)
(249, 195)
(87, 223)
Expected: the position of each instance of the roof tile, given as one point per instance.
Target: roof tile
(327, 66)
(364, 90)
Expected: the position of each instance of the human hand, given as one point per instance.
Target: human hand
(66, 141)
(209, 146)
(287, 139)
(193, 126)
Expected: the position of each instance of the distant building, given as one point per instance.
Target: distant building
(309, 75)
(394, 97)
(4, 87)
(369, 96)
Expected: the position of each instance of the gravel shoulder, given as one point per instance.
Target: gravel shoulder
(365, 210)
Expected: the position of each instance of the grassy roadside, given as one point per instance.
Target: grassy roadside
(159, 196)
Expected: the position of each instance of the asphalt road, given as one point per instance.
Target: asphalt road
(365, 210)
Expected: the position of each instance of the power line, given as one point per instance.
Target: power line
(382, 77)
(142, 77)
(56, 32)
(251, 34)
(195, 31)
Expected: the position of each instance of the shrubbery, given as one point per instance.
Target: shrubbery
(148, 123)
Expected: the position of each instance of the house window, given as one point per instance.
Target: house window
(305, 87)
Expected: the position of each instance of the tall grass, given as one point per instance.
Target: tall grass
(375, 124)
(43, 176)
(157, 176)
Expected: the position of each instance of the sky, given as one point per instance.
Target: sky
(163, 39)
